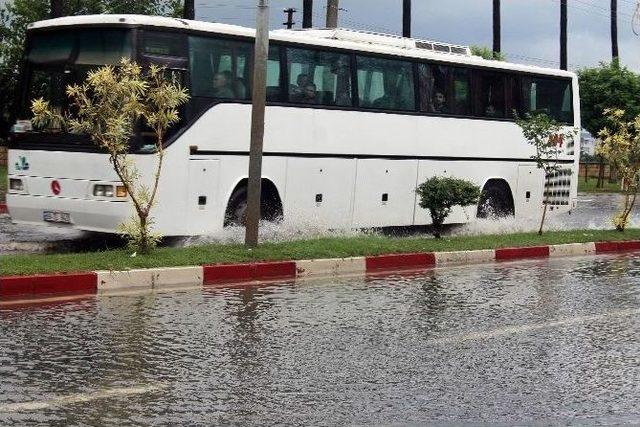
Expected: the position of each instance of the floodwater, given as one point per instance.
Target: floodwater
(594, 212)
(553, 341)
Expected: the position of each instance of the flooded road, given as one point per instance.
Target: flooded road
(551, 341)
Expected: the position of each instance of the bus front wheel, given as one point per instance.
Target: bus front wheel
(270, 205)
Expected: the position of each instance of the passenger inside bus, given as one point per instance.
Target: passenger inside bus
(297, 90)
(222, 85)
(439, 103)
(309, 94)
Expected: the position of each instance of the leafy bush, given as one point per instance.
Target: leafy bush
(440, 194)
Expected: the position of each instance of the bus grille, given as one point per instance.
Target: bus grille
(558, 187)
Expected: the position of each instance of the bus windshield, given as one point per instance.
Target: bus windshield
(58, 58)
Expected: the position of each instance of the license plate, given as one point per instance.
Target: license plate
(56, 216)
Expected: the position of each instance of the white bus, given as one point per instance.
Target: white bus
(354, 122)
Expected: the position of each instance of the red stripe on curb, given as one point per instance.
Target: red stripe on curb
(631, 245)
(520, 253)
(400, 261)
(55, 284)
(3, 208)
(214, 274)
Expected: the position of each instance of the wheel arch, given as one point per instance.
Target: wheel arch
(503, 185)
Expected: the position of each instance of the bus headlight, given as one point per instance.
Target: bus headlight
(16, 184)
(100, 190)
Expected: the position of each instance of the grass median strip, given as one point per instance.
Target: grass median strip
(334, 247)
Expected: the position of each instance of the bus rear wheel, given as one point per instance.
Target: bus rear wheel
(270, 206)
(496, 200)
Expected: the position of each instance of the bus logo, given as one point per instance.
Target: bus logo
(557, 139)
(22, 164)
(55, 187)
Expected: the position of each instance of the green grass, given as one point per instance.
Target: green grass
(305, 249)
(590, 187)
(3, 182)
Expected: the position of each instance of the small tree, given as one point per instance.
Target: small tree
(620, 146)
(107, 107)
(440, 194)
(545, 134)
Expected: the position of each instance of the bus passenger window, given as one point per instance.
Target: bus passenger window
(219, 68)
(385, 84)
(492, 95)
(550, 96)
(317, 77)
(461, 92)
(273, 75)
(434, 88)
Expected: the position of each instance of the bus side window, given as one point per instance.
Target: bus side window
(385, 84)
(549, 96)
(317, 77)
(461, 91)
(435, 93)
(273, 75)
(492, 95)
(219, 68)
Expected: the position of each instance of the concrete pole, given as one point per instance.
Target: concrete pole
(497, 27)
(332, 13)
(307, 13)
(56, 9)
(189, 11)
(614, 29)
(406, 18)
(563, 35)
(259, 96)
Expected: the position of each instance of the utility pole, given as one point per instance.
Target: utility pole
(406, 18)
(614, 29)
(497, 28)
(259, 97)
(189, 11)
(307, 13)
(563, 34)
(57, 9)
(332, 13)
(289, 24)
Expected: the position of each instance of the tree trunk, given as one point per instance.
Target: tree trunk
(600, 182)
(57, 8)
(545, 201)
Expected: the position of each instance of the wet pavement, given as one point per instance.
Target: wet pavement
(594, 212)
(553, 341)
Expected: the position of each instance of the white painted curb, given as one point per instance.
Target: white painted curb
(146, 279)
(315, 268)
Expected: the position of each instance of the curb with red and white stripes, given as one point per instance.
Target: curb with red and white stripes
(118, 282)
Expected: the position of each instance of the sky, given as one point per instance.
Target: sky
(530, 28)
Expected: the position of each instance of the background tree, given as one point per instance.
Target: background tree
(487, 53)
(620, 146)
(15, 15)
(545, 134)
(106, 107)
(440, 194)
(607, 87)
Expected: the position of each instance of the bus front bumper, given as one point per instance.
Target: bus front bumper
(90, 215)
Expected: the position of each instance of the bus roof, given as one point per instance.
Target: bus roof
(336, 38)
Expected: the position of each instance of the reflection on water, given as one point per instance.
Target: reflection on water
(546, 341)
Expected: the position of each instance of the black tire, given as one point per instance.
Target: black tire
(236, 213)
(495, 201)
